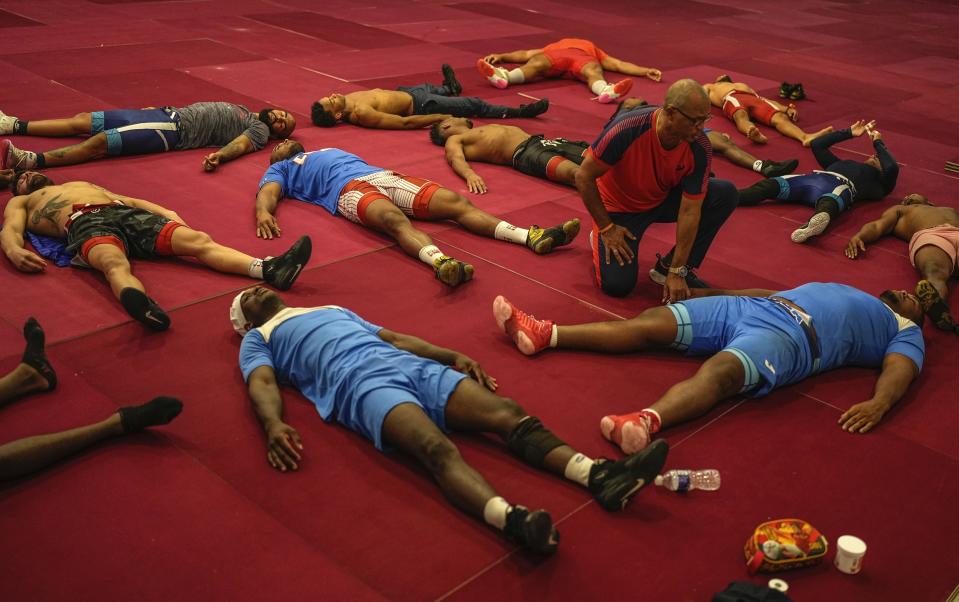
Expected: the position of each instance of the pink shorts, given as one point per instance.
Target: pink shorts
(945, 237)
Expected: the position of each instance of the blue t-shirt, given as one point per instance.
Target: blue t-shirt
(317, 176)
(330, 354)
(855, 328)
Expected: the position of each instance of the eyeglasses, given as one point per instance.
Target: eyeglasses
(694, 120)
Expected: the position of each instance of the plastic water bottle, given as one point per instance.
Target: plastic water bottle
(687, 480)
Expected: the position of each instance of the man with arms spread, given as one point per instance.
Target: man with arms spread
(742, 105)
(384, 200)
(758, 340)
(135, 132)
(402, 392)
(555, 159)
(651, 165)
(105, 229)
(933, 236)
(412, 107)
(834, 190)
(570, 57)
(35, 374)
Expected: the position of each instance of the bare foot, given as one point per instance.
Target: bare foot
(756, 136)
(810, 137)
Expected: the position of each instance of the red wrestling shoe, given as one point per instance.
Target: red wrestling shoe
(530, 335)
(629, 431)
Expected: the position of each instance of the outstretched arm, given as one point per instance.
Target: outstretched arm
(371, 118)
(11, 237)
(456, 157)
(238, 147)
(614, 64)
(898, 372)
(447, 357)
(282, 441)
(517, 56)
(266, 200)
(890, 169)
(873, 231)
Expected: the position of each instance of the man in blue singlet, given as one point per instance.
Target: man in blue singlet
(402, 392)
(384, 200)
(134, 132)
(835, 189)
(758, 340)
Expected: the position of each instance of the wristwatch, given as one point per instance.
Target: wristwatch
(681, 271)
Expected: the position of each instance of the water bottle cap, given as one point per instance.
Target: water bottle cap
(659, 480)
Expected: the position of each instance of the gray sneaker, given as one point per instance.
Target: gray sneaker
(814, 227)
(7, 122)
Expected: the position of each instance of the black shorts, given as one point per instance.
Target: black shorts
(540, 156)
(138, 232)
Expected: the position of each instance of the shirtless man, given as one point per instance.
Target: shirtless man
(105, 229)
(743, 105)
(554, 159)
(386, 201)
(412, 107)
(569, 57)
(933, 236)
(150, 130)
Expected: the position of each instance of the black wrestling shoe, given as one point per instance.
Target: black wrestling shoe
(785, 90)
(449, 80)
(772, 169)
(143, 309)
(533, 109)
(797, 92)
(613, 484)
(533, 530)
(281, 272)
(659, 272)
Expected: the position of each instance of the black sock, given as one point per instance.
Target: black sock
(760, 191)
(157, 411)
(34, 355)
(41, 161)
(828, 205)
(20, 127)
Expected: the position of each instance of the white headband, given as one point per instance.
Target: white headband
(237, 318)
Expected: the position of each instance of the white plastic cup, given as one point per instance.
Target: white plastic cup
(849, 553)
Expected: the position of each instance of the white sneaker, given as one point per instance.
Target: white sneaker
(6, 124)
(814, 227)
(497, 76)
(12, 157)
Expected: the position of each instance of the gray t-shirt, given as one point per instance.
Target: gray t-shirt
(218, 123)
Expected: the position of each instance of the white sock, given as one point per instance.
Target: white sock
(758, 166)
(509, 232)
(256, 269)
(577, 469)
(554, 336)
(429, 254)
(598, 86)
(515, 76)
(494, 513)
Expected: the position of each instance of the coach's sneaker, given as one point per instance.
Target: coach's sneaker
(7, 124)
(497, 76)
(544, 240)
(12, 157)
(533, 530)
(613, 91)
(449, 80)
(659, 272)
(934, 307)
(530, 335)
(281, 272)
(814, 227)
(772, 169)
(143, 309)
(613, 484)
(631, 432)
(452, 272)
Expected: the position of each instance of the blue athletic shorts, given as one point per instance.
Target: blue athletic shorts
(809, 188)
(425, 383)
(770, 344)
(138, 132)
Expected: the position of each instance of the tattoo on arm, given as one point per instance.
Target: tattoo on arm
(49, 211)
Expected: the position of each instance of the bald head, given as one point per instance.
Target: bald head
(686, 92)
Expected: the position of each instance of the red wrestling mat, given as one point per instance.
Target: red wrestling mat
(192, 510)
